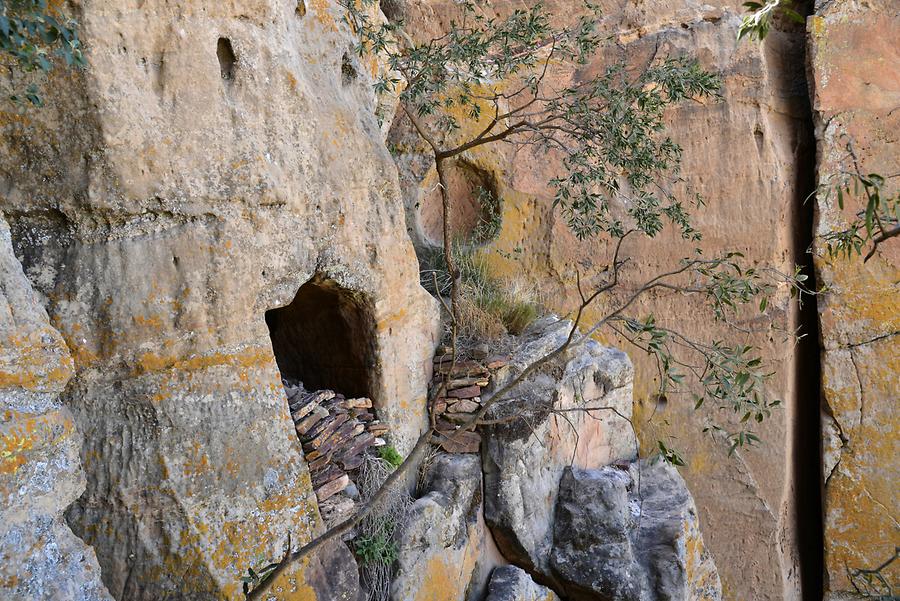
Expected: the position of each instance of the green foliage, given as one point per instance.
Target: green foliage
(379, 548)
(609, 129)
(757, 22)
(254, 577)
(877, 222)
(669, 455)
(390, 455)
(32, 33)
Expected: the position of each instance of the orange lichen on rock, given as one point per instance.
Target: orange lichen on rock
(25, 433)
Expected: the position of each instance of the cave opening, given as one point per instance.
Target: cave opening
(325, 338)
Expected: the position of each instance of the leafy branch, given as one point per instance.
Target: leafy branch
(32, 33)
(485, 82)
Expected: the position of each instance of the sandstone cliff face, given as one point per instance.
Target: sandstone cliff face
(40, 467)
(744, 154)
(221, 159)
(855, 68)
(214, 158)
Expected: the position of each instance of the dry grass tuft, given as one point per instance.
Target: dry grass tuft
(489, 307)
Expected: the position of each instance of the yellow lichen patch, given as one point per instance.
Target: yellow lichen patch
(36, 365)
(448, 575)
(322, 11)
(390, 320)
(23, 433)
(254, 356)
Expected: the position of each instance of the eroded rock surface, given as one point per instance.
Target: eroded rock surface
(747, 154)
(40, 466)
(161, 203)
(510, 583)
(855, 68)
(630, 534)
(445, 550)
(525, 458)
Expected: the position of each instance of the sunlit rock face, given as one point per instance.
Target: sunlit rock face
(856, 90)
(750, 155)
(213, 158)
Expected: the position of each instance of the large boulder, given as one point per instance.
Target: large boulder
(40, 466)
(524, 458)
(630, 534)
(445, 550)
(510, 583)
(213, 159)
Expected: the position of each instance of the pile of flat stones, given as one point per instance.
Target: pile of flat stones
(335, 432)
(460, 398)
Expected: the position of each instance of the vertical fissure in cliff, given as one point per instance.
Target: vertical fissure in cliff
(807, 448)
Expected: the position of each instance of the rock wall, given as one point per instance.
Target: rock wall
(40, 467)
(218, 155)
(213, 158)
(742, 154)
(855, 68)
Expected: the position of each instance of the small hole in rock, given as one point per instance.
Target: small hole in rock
(348, 71)
(227, 59)
(301, 8)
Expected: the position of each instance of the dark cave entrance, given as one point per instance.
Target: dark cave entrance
(326, 339)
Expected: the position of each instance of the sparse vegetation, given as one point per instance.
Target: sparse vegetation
(375, 544)
(377, 548)
(390, 455)
(33, 33)
(485, 82)
(489, 306)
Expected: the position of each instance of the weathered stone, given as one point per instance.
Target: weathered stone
(40, 469)
(309, 422)
(630, 536)
(445, 552)
(749, 154)
(465, 382)
(466, 368)
(357, 403)
(357, 446)
(160, 212)
(510, 583)
(496, 361)
(592, 554)
(332, 487)
(464, 406)
(469, 392)
(320, 461)
(519, 502)
(459, 441)
(336, 509)
(855, 66)
(323, 433)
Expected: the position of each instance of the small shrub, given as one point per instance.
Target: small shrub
(376, 549)
(390, 454)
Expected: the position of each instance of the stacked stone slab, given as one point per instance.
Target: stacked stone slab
(335, 433)
(460, 384)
